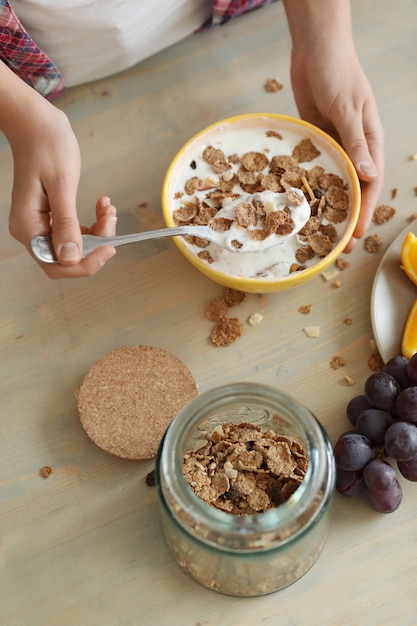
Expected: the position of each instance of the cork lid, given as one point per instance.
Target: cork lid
(129, 397)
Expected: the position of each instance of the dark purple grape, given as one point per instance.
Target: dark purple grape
(401, 441)
(408, 469)
(385, 501)
(406, 404)
(378, 475)
(353, 451)
(397, 367)
(349, 483)
(412, 369)
(356, 406)
(373, 423)
(382, 390)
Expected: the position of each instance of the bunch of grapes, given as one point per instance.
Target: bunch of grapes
(384, 435)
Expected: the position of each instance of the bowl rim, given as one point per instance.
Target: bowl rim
(261, 284)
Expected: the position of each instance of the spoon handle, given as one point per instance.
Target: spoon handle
(90, 242)
(43, 250)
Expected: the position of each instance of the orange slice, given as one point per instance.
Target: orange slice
(409, 256)
(409, 338)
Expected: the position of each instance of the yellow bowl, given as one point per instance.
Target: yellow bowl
(333, 158)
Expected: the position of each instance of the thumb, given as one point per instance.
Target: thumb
(66, 233)
(355, 143)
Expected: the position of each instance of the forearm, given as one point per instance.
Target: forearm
(313, 23)
(18, 102)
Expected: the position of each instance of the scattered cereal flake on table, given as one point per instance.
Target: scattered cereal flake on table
(348, 321)
(373, 243)
(305, 309)
(312, 331)
(46, 471)
(337, 362)
(234, 297)
(375, 362)
(349, 381)
(413, 157)
(255, 319)
(394, 193)
(226, 331)
(217, 309)
(413, 216)
(383, 214)
(337, 284)
(273, 85)
(342, 264)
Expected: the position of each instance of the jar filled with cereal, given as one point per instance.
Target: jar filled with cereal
(245, 476)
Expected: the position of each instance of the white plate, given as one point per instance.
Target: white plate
(393, 293)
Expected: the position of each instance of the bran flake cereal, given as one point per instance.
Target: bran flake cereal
(375, 362)
(243, 470)
(372, 243)
(342, 264)
(217, 309)
(226, 331)
(234, 297)
(383, 214)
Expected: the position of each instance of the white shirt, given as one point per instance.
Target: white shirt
(91, 39)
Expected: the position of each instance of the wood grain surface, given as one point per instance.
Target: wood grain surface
(84, 546)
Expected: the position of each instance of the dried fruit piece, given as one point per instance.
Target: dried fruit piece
(272, 85)
(255, 319)
(46, 471)
(336, 362)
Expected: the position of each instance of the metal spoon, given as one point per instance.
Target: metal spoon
(43, 250)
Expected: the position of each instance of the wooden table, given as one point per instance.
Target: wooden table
(85, 546)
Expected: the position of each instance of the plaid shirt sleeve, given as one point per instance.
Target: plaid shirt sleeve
(224, 10)
(19, 52)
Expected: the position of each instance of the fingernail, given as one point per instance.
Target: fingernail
(68, 251)
(106, 200)
(367, 168)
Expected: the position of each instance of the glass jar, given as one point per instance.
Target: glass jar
(245, 555)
